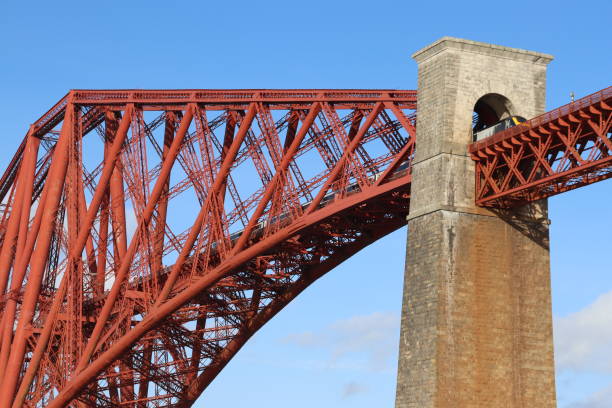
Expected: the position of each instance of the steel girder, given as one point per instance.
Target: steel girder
(146, 235)
(561, 150)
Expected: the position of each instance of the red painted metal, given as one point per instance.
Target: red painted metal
(146, 235)
(561, 150)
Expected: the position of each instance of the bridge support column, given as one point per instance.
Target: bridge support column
(476, 320)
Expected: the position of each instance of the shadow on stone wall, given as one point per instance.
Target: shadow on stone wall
(531, 220)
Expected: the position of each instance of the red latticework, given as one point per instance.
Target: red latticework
(146, 235)
(561, 150)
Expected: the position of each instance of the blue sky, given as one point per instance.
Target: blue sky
(336, 345)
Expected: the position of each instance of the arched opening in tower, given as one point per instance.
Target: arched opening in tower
(488, 110)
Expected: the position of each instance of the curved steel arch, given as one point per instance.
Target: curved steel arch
(146, 235)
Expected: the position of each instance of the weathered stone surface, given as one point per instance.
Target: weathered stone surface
(476, 320)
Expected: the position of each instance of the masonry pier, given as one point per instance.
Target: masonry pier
(476, 320)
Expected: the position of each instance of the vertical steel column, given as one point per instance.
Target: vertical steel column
(54, 187)
(75, 251)
(18, 220)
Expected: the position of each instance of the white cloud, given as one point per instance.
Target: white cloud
(353, 388)
(372, 338)
(600, 399)
(583, 339)
(305, 339)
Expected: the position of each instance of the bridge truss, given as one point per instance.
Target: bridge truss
(146, 235)
(561, 150)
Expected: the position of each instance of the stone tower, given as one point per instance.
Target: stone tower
(476, 320)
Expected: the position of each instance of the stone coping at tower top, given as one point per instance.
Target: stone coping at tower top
(499, 51)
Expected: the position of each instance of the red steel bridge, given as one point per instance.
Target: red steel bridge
(147, 235)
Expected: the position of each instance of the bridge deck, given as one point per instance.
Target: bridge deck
(563, 149)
